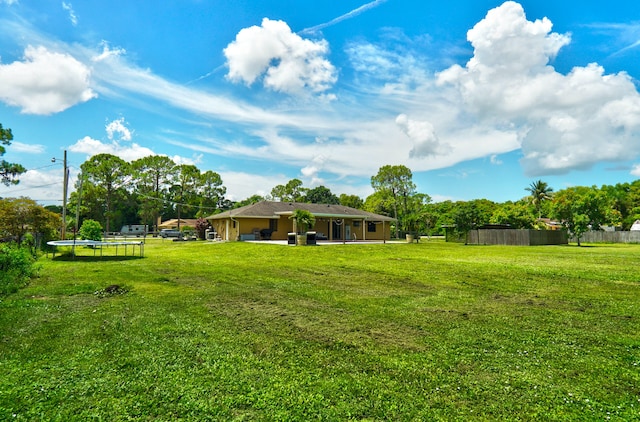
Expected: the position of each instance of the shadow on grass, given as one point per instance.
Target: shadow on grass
(85, 258)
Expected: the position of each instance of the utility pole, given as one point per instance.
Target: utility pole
(64, 197)
(65, 183)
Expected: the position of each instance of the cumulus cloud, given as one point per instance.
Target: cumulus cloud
(566, 121)
(285, 61)
(90, 146)
(45, 82)
(116, 130)
(423, 135)
(635, 171)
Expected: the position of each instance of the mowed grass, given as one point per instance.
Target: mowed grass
(242, 331)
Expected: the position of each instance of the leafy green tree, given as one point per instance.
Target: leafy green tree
(379, 203)
(185, 187)
(353, 201)
(278, 193)
(321, 195)
(19, 216)
(418, 218)
(581, 209)
(293, 191)
(211, 192)
(516, 214)
(540, 192)
(466, 218)
(152, 178)
(396, 183)
(254, 199)
(472, 214)
(8, 172)
(109, 174)
(90, 230)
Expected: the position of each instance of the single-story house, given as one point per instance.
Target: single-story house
(173, 223)
(268, 220)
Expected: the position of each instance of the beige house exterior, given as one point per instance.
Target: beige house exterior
(269, 220)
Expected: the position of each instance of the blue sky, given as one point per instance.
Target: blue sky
(478, 98)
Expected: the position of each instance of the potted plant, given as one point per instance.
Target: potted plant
(303, 220)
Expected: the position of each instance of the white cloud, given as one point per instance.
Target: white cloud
(194, 160)
(635, 171)
(117, 127)
(565, 122)
(44, 82)
(495, 160)
(9, 2)
(42, 186)
(28, 148)
(286, 62)
(423, 135)
(72, 14)
(90, 146)
(242, 185)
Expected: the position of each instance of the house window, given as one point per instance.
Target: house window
(371, 227)
(356, 223)
(234, 224)
(273, 225)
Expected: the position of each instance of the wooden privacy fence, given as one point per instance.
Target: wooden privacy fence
(517, 237)
(610, 237)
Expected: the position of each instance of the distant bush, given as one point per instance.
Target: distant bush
(90, 230)
(17, 266)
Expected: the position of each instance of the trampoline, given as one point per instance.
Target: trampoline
(99, 245)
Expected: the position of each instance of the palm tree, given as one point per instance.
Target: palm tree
(540, 192)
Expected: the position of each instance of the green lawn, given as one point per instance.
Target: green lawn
(242, 331)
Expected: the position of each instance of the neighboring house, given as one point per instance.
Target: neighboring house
(635, 226)
(268, 220)
(173, 223)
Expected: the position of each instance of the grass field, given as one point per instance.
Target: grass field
(242, 331)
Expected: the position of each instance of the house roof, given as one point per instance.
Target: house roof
(174, 222)
(270, 209)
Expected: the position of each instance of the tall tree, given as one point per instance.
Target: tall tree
(8, 172)
(184, 187)
(321, 195)
(152, 178)
(540, 192)
(353, 201)
(293, 191)
(109, 174)
(211, 192)
(395, 182)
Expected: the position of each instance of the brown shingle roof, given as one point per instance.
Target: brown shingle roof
(269, 209)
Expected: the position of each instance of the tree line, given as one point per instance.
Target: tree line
(115, 193)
